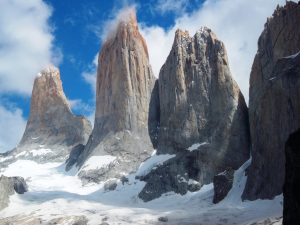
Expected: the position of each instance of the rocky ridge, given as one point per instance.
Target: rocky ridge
(273, 101)
(203, 116)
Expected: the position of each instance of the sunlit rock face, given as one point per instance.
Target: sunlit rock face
(51, 121)
(52, 130)
(203, 116)
(273, 101)
(124, 85)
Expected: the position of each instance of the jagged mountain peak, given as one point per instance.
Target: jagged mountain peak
(48, 89)
(126, 33)
(51, 121)
(203, 32)
(49, 70)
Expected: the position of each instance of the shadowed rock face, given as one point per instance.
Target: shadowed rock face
(199, 103)
(51, 123)
(222, 184)
(124, 85)
(273, 101)
(291, 192)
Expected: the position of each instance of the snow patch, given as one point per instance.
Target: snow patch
(54, 193)
(34, 138)
(5, 158)
(152, 162)
(21, 154)
(98, 162)
(192, 182)
(292, 56)
(196, 146)
(40, 152)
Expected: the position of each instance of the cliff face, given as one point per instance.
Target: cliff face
(273, 101)
(51, 122)
(199, 100)
(124, 81)
(203, 115)
(124, 85)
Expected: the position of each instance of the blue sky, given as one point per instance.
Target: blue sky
(69, 33)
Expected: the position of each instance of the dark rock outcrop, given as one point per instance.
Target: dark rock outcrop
(124, 85)
(274, 107)
(222, 185)
(76, 151)
(110, 185)
(20, 185)
(203, 116)
(10, 185)
(291, 191)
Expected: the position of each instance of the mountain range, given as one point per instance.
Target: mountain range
(181, 149)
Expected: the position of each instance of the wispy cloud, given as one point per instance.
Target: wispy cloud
(178, 7)
(90, 75)
(79, 105)
(84, 108)
(110, 26)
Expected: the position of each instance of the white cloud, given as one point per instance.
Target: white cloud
(87, 109)
(79, 105)
(110, 26)
(25, 44)
(177, 7)
(90, 76)
(12, 128)
(238, 23)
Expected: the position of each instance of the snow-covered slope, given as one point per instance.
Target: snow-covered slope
(55, 193)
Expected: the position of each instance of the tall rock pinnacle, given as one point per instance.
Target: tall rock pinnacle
(274, 109)
(124, 81)
(51, 122)
(203, 116)
(124, 85)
